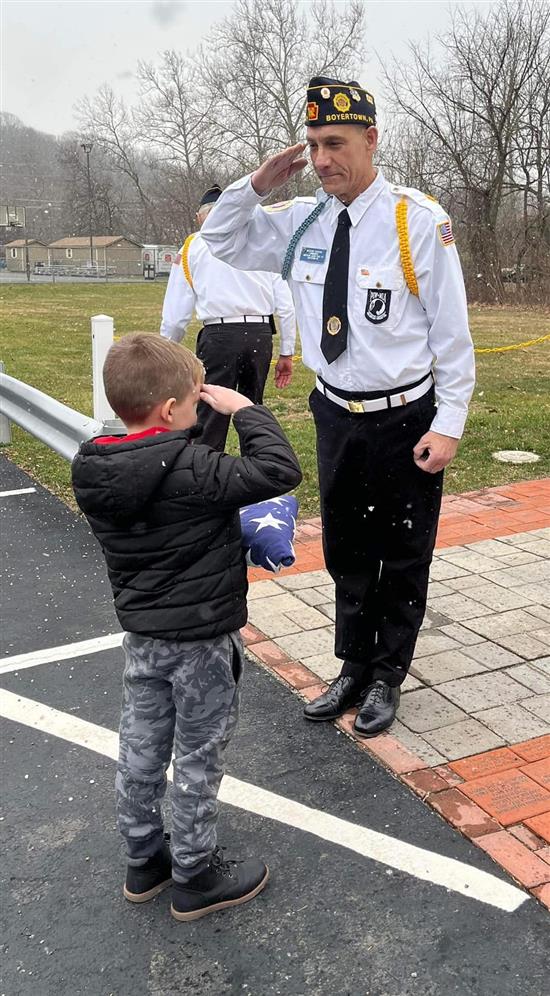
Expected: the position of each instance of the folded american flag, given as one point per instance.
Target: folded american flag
(268, 531)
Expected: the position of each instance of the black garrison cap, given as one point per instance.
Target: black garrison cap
(333, 102)
(211, 195)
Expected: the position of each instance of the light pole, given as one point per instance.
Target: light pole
(87, 147)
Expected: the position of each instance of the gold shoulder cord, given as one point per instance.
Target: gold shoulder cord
(405, 246)
(185, 258)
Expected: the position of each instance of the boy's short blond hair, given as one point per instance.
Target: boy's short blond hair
(143, 369)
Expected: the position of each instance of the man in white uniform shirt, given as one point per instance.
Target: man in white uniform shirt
(381, 306)
(236, 309)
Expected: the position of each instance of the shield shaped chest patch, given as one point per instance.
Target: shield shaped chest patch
(377, 308)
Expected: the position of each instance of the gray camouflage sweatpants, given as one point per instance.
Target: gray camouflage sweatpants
(181, 698)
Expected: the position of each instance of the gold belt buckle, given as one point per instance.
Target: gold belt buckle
(356, 406)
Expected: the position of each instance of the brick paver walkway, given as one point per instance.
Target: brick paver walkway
(473, 730)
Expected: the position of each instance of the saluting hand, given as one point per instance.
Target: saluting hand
(279, 169)
(434, 451)
(223, 399)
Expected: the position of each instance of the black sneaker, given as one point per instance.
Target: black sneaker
(224, 883)
(144, 882)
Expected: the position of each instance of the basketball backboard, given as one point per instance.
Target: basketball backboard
(12, 217)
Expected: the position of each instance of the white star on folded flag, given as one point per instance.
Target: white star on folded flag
(266, 521)
(268, 531)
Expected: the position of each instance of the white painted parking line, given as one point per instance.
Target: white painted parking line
(390, 851)
(19, 491)
(63, 653)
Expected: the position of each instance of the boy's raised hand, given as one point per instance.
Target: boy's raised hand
(279, 169)
(223, 399)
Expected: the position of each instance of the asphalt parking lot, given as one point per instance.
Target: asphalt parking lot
(332, 920)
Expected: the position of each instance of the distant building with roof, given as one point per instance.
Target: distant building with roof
(112, 253)
(21, 250)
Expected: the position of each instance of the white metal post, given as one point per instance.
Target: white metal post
(103, 328)
(5, 427)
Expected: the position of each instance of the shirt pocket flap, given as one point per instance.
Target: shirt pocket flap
(380, 277)
(309, 273)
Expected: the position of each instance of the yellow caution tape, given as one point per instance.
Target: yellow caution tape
(517, 345)
(295, 359)
(493, 349)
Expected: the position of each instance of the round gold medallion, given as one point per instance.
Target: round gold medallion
(334, 325)
(342, 103)
(325, 92)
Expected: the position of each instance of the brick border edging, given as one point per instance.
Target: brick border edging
(465, 518)
(438, 786)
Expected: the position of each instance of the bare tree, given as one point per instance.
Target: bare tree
(107, 121)
(110, 208)
(469, 122)
(211, 118)
(408, 154)
(257, 63)
(469, 98)
(31, 178)
(529, 180)
(176, 127)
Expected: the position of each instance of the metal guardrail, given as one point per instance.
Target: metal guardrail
(60, 427)
(57, 425)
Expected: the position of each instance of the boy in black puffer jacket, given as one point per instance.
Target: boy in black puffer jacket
(166, 515)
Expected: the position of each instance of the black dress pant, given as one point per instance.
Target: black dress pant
(236, 356)
(380, 515)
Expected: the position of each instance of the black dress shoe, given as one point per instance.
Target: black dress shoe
(343, 693)
(378, 709)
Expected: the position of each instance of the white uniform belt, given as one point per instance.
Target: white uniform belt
(389, 400)
(241, 319)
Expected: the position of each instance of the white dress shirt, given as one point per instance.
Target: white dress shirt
(220, 291)
(420, 333)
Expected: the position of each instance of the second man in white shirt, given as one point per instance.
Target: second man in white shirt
(236, 309)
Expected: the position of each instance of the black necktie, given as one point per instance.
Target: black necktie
(334, 338)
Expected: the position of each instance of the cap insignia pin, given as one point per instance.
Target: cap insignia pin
(325, 92)
(342, 102)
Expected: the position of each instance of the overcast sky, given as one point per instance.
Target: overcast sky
(56, 51)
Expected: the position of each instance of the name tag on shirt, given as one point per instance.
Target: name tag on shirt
(311, 255)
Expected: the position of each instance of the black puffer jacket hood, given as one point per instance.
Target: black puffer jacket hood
(166, 515)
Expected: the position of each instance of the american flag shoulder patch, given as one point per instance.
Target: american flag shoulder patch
(445, 232)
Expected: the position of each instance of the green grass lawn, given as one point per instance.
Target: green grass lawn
(45, 341)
